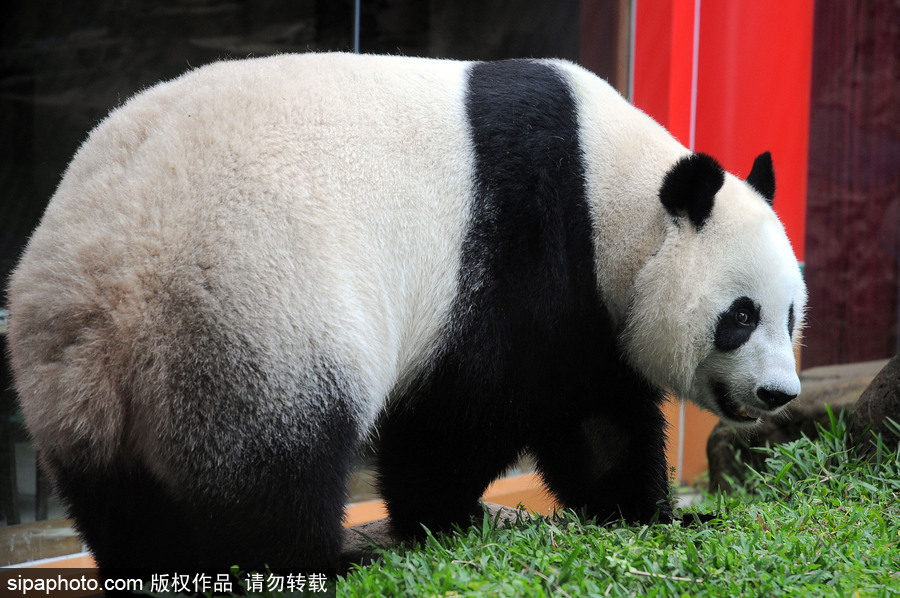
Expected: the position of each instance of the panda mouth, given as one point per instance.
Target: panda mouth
(732, 410)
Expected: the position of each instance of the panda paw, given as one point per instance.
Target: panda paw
(693, 519)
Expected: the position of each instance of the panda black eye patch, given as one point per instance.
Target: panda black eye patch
(736, 324)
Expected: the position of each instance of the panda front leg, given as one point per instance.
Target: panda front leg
(611, 462)
(436, 457)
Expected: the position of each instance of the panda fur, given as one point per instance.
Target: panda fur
(249, 271)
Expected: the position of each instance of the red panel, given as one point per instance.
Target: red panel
(664, 38)
(755, 65)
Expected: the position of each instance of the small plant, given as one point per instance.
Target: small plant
(832, 463)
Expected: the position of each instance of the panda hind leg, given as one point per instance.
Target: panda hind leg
(281, 502)
(272, 504)
(125, 517)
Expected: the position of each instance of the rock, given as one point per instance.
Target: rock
(880, 400)
(730, 451)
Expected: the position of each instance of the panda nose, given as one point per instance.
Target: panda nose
(774, 398)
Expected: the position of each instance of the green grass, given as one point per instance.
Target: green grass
(817, 520)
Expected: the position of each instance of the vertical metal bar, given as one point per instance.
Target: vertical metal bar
(632, 50)
(695, 64)
(356, 12)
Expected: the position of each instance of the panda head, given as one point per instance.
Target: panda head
(716, 313)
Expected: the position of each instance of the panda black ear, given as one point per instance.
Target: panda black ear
(762, 176)
(690, 187)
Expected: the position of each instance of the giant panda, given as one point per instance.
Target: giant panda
(248, 272)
